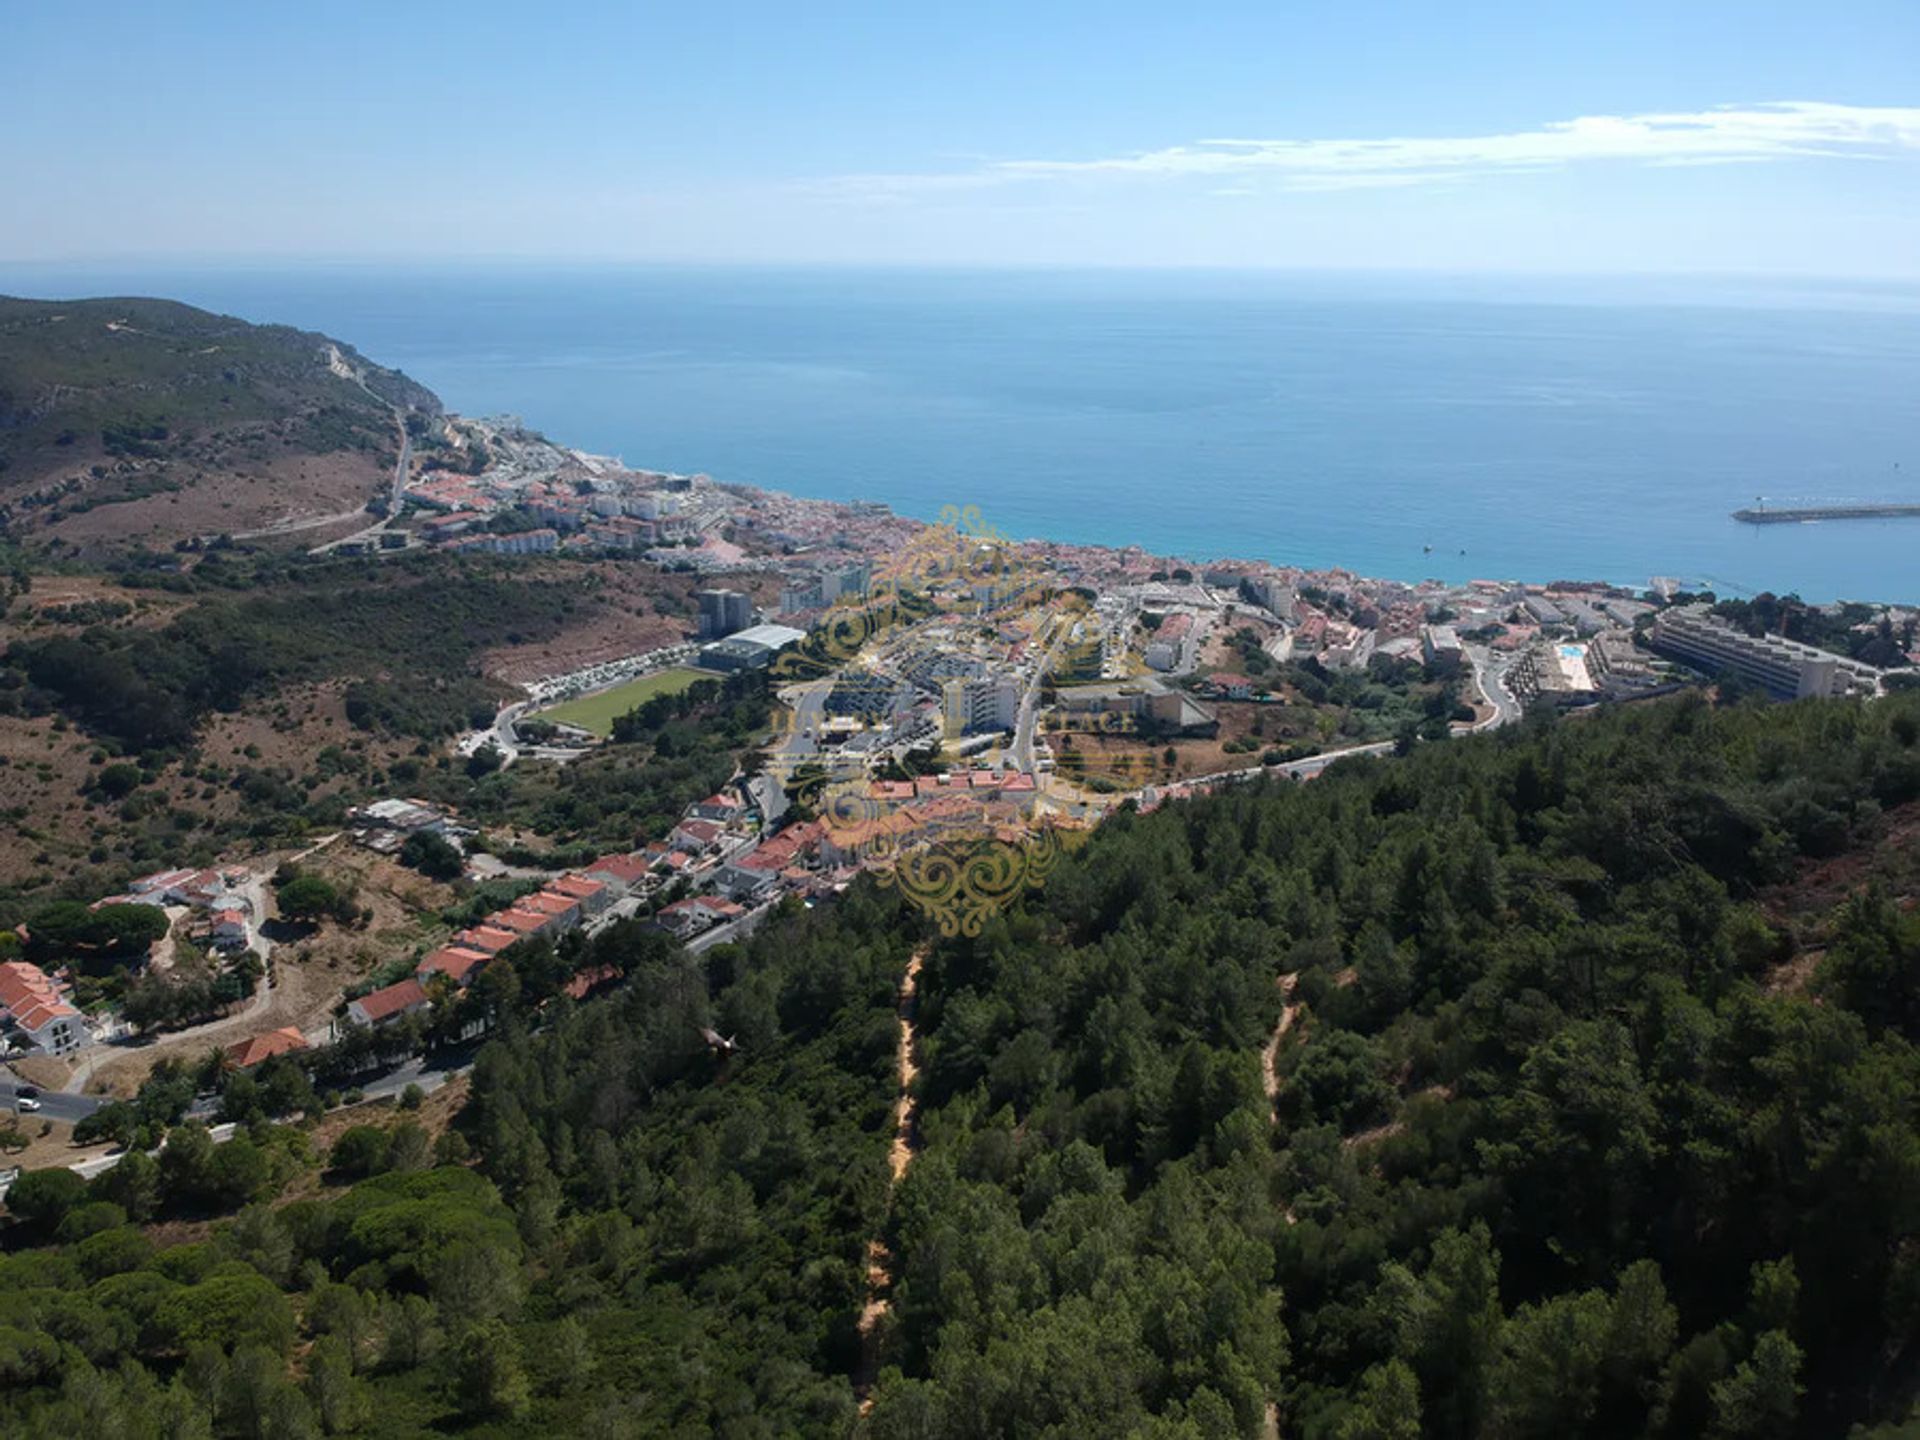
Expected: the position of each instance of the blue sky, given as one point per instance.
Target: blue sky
(1534, 135)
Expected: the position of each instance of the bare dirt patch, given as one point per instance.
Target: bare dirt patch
(1892, 858)
(436, 1114)
(50, 1143)
(1793, 976)
(1134, 760)
(49, 825)
(53, 593)
(311, 972)
(248, 496)
(633, 609)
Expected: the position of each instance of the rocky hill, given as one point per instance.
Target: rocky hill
(147, 421)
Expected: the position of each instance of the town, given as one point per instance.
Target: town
(929, 688)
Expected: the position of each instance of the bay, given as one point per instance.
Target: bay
(1406, 426)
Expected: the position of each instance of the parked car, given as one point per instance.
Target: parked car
(27, 1092)
(25, 1105)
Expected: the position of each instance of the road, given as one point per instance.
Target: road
(258, 907)
(1023, 728)
(1489, 674)
(808, 701)
(292, 527)
(54, 1105)
(402, 468)
(337, 363)
(732, 930)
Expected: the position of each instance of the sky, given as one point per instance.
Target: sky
(1552, 136)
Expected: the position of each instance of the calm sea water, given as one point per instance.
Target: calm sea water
(1533, 430)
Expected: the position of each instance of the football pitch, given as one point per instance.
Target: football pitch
(597, 712)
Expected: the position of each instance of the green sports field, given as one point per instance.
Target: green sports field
(597, 712)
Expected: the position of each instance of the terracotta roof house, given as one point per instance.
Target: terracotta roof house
(487, 937)
(682, 918)
(620, 872)
(378, 1007)
(456, 962)
(592, 895)
(719, 806)
(258, 1049)
(229, 928)
(587, 981)
(32, 1007)
(525, 923)
(696, 834)
(564, 909)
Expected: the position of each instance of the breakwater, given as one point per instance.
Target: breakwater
(1798, 514)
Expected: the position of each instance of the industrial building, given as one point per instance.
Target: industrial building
(751, 649)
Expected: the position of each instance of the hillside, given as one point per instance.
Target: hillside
(1555, 1083)
(136, 420)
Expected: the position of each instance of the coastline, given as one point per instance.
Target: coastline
(1547, 427)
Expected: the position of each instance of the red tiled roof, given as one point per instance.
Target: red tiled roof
(454, 961)
(379, 1004)
(258, 1049)
(577, 887)
(31, 998)
(587, 980)
(487, 936)
(624, 868)
(525, 922)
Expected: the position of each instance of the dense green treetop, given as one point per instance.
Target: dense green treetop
(1597, 1113)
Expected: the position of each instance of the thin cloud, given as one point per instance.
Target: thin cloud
(1728, 135)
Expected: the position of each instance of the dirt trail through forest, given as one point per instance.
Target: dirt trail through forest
(899, 1156)
(1269, 1057)
(1270, 1078)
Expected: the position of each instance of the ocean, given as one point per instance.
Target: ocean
(1399, 426)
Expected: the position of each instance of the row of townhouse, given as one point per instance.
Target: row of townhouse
(444, 491)
(545, 915)
(712, 832)
(520, 542)
(35, 1013)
